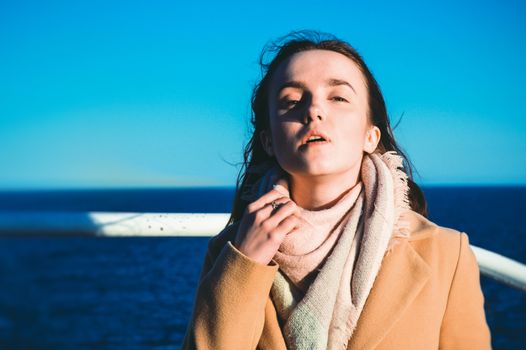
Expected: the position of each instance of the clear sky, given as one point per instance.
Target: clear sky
(156, 93)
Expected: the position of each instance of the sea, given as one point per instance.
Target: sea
(79, 292)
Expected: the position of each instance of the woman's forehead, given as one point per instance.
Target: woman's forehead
(316, 66)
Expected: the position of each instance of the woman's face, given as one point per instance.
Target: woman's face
(322, 91)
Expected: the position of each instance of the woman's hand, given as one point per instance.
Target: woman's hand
(263, 228)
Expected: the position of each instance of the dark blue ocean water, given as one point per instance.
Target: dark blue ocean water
(137, 293)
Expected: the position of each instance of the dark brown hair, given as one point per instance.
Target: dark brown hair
(281, 49)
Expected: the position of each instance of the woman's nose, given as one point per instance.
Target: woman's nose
(313, 112)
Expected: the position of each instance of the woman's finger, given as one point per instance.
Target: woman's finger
(288, 209)
(282, 186)
(267, 198)
(269, 209)
(286, 226)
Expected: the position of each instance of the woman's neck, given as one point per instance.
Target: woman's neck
(321, 192)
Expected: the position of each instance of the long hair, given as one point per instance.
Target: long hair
(254, 156)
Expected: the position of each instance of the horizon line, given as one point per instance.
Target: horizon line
(187, 187)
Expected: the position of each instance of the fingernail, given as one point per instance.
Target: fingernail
(280, 189)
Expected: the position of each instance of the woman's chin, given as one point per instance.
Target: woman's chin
(317, 172)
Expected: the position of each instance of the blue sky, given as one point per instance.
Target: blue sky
(120, 94)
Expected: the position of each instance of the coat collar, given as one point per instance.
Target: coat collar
(401, 277)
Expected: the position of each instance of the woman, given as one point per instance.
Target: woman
(328, 244)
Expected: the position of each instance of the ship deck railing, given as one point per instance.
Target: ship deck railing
(121, 224)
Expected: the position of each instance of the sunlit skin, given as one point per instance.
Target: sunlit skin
(301, 98)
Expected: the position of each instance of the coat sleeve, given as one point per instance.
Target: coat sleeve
(464, 324)
(229, 306)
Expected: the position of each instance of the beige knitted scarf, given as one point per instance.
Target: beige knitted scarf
(328, 265)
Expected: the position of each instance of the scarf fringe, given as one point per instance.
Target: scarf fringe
(401, 197)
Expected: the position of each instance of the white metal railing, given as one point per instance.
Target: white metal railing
(501, 268)
(496, 266)
(111, 223)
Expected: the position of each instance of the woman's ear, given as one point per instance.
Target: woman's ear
(372, 138)
(265, 141)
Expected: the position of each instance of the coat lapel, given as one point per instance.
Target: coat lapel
(402, 275)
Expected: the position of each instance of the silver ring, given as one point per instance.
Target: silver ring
(275, 204)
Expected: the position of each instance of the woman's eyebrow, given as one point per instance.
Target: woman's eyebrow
(336, 82)
(302, 86)
(292, 84)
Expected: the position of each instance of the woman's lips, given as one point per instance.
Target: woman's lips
(313, 144)
(314, 132)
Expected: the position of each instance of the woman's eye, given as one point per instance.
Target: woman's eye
(289, 103)
(339, 99)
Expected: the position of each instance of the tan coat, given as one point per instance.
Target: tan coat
(426, 295)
